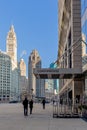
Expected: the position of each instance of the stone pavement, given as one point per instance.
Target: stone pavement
(12, 118)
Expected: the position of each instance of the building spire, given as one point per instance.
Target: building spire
(12, 28)
(11, 45)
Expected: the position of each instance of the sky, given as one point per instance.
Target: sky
(36, 27)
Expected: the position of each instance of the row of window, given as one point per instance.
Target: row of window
(4, 79)
(6, 89)
(2, 58)
(4, 95)
(4, 64)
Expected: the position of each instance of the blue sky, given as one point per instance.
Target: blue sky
(36, 27)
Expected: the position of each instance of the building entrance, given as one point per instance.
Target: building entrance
(70, 96)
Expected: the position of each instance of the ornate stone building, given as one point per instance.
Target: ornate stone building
(70, 47)
(11, 46)
(37, 85)
(11, 50)
(23, 81)
(22, 68)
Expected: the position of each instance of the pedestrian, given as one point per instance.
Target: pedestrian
(25, 104)
(31, 106)
(43, 102)
(53, 101)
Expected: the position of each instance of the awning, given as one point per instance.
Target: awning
(57, 73)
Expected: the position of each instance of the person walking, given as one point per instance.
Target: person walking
(31, 106)
(43, 102)
(25, 104)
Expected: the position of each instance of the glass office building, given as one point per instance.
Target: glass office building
(5, 77)
(55, 81)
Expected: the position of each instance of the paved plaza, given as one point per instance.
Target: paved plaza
(12, 118)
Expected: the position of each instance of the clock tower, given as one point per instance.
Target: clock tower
(11, 46)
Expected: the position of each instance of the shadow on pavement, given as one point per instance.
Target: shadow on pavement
(85, 119)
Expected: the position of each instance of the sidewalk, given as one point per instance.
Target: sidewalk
(12, 118)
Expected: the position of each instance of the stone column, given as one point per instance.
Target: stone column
(76, 40)
(76, 33)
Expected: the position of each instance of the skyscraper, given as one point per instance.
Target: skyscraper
(23, 81)
(55, 81)
(37, 85)
(11, 46)
(22, 66)
(11, 49)
(70, 47)
(5, 77)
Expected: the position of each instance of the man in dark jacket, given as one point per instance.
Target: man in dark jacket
(25, 104)
(43, 102)
(31, 106)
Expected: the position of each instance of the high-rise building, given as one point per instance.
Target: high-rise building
(5, 77)
(23, 81)
(51, 85)
(49, 89)
(11, 46)
(37, 85)
(11, 49)
(22, 66)
(70, 47)
(55, 81)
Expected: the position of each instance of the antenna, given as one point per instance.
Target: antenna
(23, 53)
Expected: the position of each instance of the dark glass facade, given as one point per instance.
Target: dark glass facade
(56, 82)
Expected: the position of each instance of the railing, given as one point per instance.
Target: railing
(68, 108)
